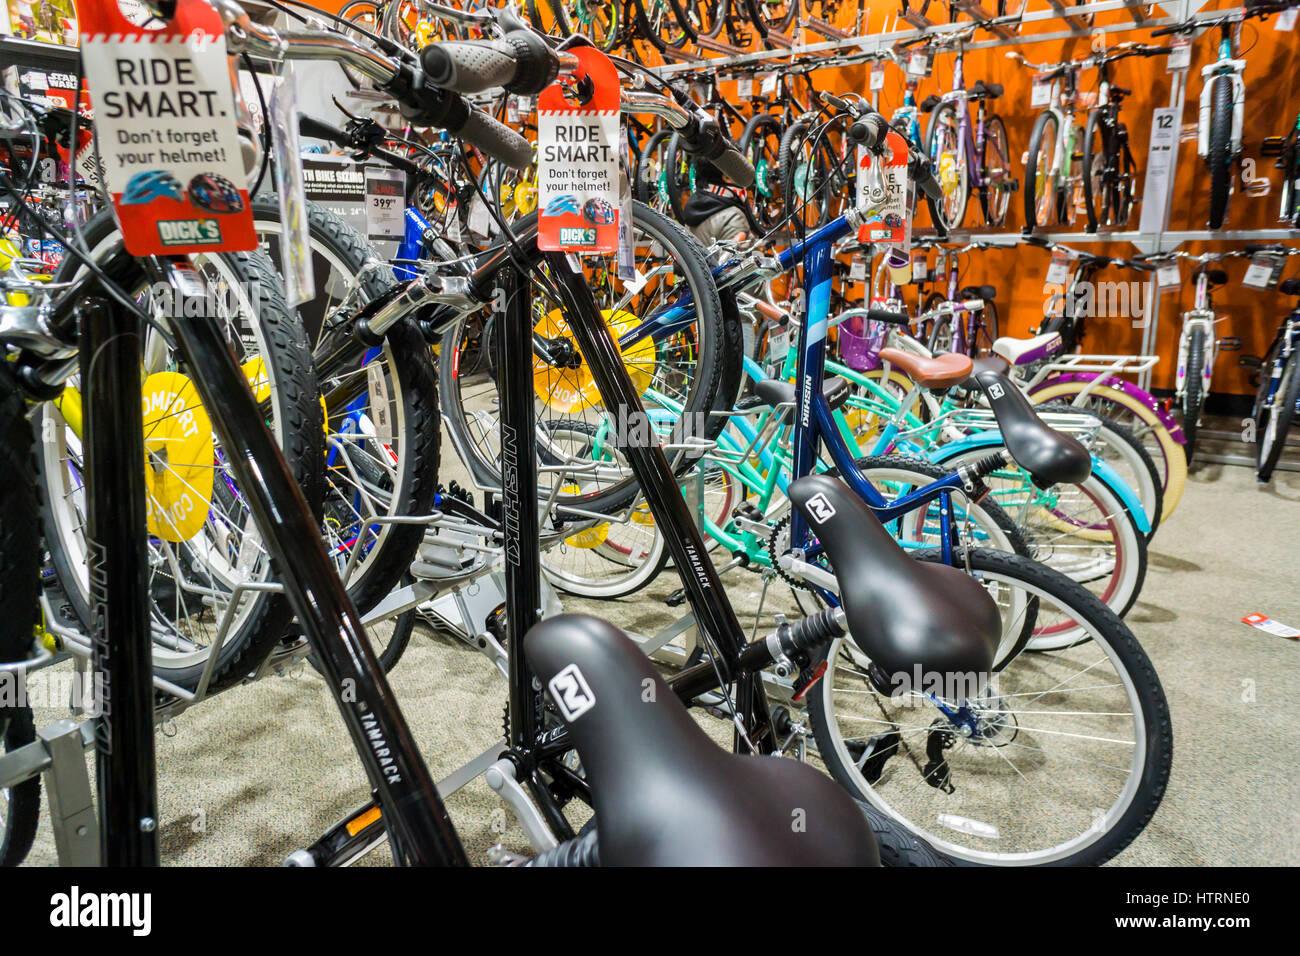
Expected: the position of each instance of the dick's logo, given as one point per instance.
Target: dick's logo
(578, 237)
(189, 232)
(570, 692)
(820, 508)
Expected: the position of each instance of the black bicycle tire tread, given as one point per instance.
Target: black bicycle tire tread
(1219, 158)
(422, 439)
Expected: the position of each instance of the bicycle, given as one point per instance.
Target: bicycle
(1277, 400)
(1109, 174)
(1053, 179)
(966, 159)
(1198, 342)
(1222, 101)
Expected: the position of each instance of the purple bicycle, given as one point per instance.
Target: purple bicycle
(963, 159)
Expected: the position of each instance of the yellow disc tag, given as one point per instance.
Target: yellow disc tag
(592, 537)
(179, 458)
(570, 390)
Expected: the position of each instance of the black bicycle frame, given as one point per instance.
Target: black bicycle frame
(420, 829)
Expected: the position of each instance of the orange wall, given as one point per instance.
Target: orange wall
(1271, 105)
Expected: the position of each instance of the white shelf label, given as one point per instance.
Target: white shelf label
(1162, 155)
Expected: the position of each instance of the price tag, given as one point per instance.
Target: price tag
(778, 349)
(1180, 54)
(877, 77)
(1264, 270)
(1058, 271)
(1169, 276)
(745, 87)
(1269, 626)
(290, 190)
(768, 83)
(1285, 21)
(626, 246)
(1040, 94)
(577, 162)
(919, 271)
(165, 117)
(481, 222)
(385, 204)
(918, 64)
(512, 109)
(858, 269)
(380, 408)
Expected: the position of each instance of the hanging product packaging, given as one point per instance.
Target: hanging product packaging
(165, 122)
(882, 193)
(577, 162)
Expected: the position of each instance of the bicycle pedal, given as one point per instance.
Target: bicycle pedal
(677, 598)
(1272, 146)
(1250, 362)
(1229, 343)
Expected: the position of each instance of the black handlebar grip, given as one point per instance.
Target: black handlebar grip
(887, 316)
(870, 131)
(733, 164)
(519, 62)
(319, 129)
(469, 66)
(1165, 31)
(497, 140)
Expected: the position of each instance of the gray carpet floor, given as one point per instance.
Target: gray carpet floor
(261, 770)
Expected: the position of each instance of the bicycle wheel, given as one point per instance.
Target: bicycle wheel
(1219, 158)
(775, 16)
(1084, 531)
(382, 424)
(1060, 758)
(996, 172)
(1040, 183)
(1274, 419)
(1116, 445)
(760, 142)
(1193, 390)
(20, 555)
(197, 562)
(679, 176)
(600, 21)
(1096, 177)
(1140, 419)
(679, 374)
(804, 174)
(948, 155)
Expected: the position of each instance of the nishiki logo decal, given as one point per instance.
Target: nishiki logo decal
(569, 690)
(820, 508)
(186, 232)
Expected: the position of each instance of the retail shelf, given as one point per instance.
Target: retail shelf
(1149, 241)
(841, 52)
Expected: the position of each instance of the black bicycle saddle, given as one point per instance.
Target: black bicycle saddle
(991, 90)
(904, 614)
(1049, 456)
(987, 292)
(664, 793)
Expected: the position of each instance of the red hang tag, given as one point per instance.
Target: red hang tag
(577, 162)
(165, 121)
